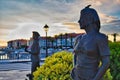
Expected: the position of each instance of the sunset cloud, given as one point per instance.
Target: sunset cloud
(21, 16)
(107, 18)
(74, 26)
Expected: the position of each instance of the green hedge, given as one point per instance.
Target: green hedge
(58, 67)
(115, 60)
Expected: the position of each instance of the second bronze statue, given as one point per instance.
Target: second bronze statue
(34, 50)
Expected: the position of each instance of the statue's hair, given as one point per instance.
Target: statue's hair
(36, 34)
(92, 13)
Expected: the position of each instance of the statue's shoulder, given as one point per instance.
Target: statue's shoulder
(101, 37)
(78, 37)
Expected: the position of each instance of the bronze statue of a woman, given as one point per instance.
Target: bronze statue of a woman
(90, 49)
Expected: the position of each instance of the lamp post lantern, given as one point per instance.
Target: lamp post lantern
(46, 27)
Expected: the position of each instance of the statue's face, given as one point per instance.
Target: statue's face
(85, 20)
(82, 22)
(34, 36)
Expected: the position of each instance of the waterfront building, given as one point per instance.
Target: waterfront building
(18, 43)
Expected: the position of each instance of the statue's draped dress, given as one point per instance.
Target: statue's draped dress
(89, 50)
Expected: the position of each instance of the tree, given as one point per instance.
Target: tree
(61, 38)
(52, 41)
(48, 41)
(56, 40)
(66, 36)
(114, 35)
(71, 38)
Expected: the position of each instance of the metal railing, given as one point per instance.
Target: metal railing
(22, 57)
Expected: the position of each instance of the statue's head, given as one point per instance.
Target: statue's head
(89, 16)
(36, 35)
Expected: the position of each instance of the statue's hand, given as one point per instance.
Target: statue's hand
(73, 51)
(26, 49)
(76, 50)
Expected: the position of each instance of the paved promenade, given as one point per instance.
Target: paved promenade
(14, 71)
(13, 74)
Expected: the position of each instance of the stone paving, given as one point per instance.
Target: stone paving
(13, 75)
(14, 71)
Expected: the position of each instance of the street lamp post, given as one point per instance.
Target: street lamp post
(46, 30)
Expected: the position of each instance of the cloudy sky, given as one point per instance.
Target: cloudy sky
(18, 18)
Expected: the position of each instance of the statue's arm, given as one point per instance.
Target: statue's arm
(104, 52)
(76, 43)
(104, 66)
(35, 48)
(74, 50)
